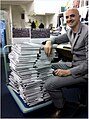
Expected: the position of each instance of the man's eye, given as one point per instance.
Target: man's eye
(67, 17)
(72, 15)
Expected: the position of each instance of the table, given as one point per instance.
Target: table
(64, 52)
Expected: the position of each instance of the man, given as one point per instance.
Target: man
(67, 73)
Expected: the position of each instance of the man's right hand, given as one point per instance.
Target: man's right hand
(48, 48)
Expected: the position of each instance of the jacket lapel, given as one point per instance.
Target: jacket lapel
(75, 39)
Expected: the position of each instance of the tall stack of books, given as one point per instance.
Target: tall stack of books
(30, 67)
(43, 66)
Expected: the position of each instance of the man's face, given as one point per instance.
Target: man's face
(72, 18)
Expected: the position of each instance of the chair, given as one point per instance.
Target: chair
(82, 97)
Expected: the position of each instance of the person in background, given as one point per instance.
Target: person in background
(33, 26)
(41, 25)
(36, 23)
(68, 73)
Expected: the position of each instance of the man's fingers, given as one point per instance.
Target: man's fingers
(47, 51)
(58, 72)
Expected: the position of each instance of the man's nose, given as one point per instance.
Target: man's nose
(69, 18)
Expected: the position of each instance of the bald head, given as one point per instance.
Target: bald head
(74, 10)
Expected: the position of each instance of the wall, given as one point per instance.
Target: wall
(40, 10)
(16, 15)
(51, 19)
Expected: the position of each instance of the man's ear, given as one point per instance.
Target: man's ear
(80, 16)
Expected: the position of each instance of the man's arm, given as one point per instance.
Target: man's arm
(56, 40)
(48, 48)
(60, 39)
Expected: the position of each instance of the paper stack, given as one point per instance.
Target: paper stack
(30, 67)
(43, 66)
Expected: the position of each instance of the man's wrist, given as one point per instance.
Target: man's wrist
(68, 72)
(48, 42)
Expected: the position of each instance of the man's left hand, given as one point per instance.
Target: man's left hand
(62, 72)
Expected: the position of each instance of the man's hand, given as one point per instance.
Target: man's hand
(48, 48)
(62, 72)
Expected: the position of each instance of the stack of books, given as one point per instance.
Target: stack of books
(43, 66)
(30, 68)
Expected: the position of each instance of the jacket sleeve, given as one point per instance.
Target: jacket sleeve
(60, 39)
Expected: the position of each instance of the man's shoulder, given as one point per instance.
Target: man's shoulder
(84, 26)
(84, 29)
